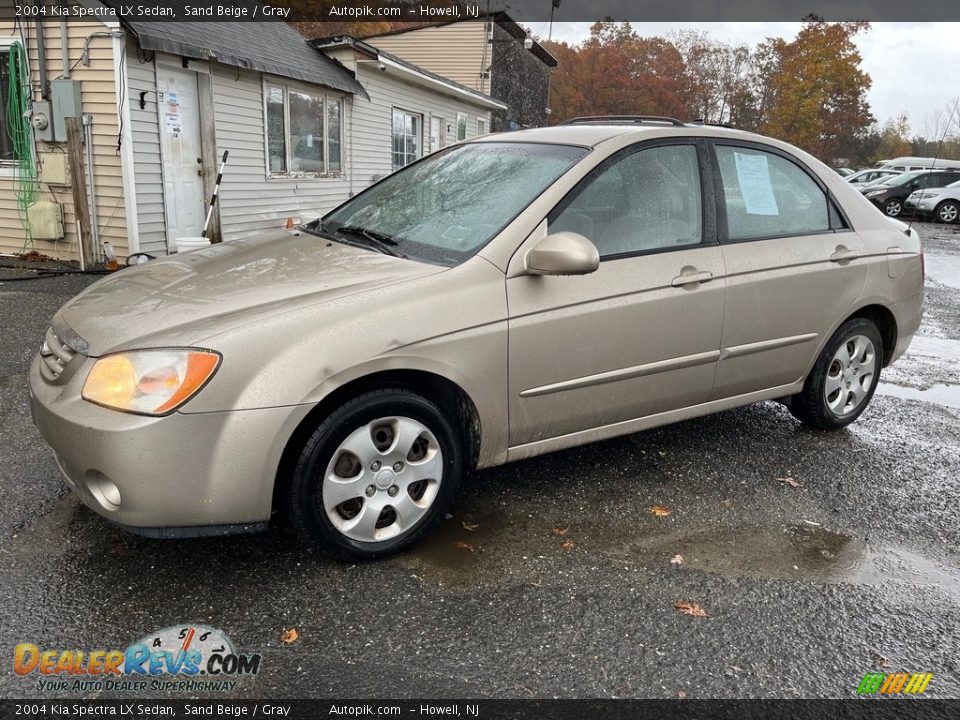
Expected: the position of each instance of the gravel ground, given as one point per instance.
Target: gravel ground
(855, 568)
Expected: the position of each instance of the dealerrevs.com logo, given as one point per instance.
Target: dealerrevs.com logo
(191, 658)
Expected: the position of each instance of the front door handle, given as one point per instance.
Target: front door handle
(688, 278)
(844, 254)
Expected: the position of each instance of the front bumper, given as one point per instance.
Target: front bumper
(178, 475)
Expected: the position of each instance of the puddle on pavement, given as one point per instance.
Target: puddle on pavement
(796, 552)
(454, 549)
(940, 394)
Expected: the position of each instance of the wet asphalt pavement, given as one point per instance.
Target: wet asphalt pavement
(564, 586)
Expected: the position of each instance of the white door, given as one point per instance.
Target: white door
(178, 107)
(436, 133)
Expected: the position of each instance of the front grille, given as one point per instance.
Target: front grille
(54, 356)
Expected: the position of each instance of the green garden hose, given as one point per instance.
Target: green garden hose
(18, 127)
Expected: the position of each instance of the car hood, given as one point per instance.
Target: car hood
(182, 299)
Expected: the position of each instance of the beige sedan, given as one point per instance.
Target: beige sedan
(499, 299)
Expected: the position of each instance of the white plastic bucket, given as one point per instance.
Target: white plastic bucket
(186, 244)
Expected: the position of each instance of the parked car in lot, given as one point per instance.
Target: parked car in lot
(865, 177)
(844, 171)
(890, 195)
(499, 299)
(911, 164)
(941, 204)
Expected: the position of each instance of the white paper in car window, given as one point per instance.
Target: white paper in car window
(753, 174)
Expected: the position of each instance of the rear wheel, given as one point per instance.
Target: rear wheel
(843, 379)
(375, 475)
(948, 211)
(893, 208)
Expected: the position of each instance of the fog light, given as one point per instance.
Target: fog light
(104, 491)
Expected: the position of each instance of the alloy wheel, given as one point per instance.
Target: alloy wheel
(948, 212)
(893, 208)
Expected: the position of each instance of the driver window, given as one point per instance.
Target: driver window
(648, 200)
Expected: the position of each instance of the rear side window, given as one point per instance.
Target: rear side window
(766, 195)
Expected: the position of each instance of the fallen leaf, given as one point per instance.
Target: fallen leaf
(676, 560)
(460, 545)
(660, 510)
(568, 545)
(690, 608)
(663, 453)
(681, 693)
(289, 637)
(789, 481)
(727, 503)
(881, 660)
(560, 531)
(470, 527)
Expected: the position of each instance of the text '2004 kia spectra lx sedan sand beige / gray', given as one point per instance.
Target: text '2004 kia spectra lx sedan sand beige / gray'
(499, 299)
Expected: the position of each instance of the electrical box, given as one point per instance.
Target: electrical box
(66, 103)
(46, 220)
(41, 120)
(53, 168)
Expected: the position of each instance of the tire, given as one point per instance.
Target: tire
(893, 208)
(948, 212)
(835, 394)
(343, 502)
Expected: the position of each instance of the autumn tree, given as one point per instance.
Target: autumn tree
(813, 92)
(716, 74)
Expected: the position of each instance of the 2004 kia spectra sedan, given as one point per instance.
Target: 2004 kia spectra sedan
(499, 299)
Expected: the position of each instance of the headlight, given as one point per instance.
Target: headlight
(874, 193)
(149, 382)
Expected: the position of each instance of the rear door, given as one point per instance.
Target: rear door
(640, 335)
(794, 266)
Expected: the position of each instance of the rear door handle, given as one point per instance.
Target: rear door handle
(690, 278)
(843, 255)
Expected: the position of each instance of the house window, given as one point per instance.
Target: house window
(461, 127)
(304, 131)
(407, 131)
(7, 152)
(481, 126)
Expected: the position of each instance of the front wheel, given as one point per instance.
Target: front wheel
(375, 475)
(948, 211)
(893, 208)
(843, 379)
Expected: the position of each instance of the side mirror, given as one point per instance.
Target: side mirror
(563, 253)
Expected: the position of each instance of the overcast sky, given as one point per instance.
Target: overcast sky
(914, 66)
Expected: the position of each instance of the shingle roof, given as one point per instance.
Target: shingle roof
(270, 47)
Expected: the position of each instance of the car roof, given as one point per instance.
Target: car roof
(592, 134)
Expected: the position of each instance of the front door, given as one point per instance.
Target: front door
(180, 151)
(639, 336)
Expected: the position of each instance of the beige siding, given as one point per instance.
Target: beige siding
(99, 96)
(458, 51)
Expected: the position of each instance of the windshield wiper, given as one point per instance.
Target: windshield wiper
(381, 241)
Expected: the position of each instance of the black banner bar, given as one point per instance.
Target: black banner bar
(524, 11)
(898, 708)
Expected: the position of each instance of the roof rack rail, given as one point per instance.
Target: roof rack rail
(701, 121)
(638, 119)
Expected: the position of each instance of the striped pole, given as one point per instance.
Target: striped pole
(216, 192)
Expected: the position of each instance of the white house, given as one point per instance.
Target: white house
(306, 127)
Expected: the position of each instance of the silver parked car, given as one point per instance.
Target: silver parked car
(941, 204)
(867, 177)
(499, 299)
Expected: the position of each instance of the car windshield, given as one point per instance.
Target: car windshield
(448, 206)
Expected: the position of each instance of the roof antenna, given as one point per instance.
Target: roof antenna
(936, 156)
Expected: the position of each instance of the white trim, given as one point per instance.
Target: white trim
(127, 163)
(420, 149)
(474, 97)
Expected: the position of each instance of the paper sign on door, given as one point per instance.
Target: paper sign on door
(753, 174)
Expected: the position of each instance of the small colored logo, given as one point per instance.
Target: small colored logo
(877, 683)
(182, 654)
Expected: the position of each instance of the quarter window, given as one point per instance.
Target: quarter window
(649, 200)
(407, 134)
(767, 195)
(304, 131)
